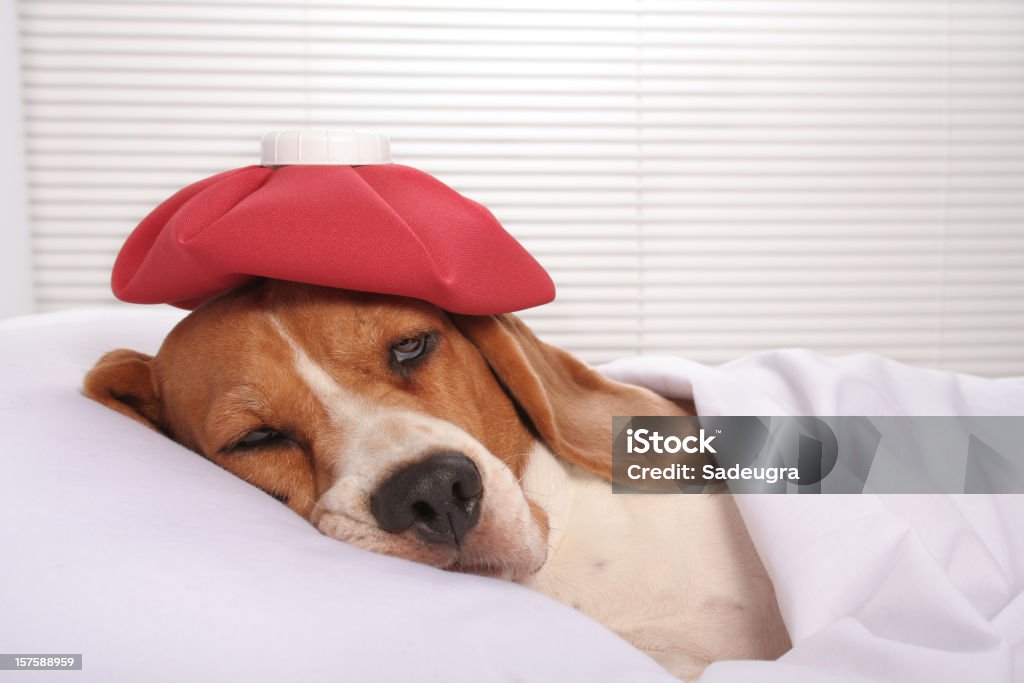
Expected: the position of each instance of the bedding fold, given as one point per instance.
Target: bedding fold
(880, 588)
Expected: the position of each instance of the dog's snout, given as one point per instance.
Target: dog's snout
(438, 497)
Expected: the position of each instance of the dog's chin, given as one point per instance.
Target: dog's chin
(511, 554)
(493, 571)
(499, 552)
(509, 568)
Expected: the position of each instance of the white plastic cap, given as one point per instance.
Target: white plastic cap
(320, 146)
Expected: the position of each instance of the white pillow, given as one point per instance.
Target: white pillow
(157, 565)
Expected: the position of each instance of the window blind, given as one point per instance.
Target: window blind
(700, 178)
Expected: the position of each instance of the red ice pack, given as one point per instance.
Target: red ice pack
(328, 208)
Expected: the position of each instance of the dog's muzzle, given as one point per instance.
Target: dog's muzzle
(439, 498)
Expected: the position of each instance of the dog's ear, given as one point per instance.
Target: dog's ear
(570, 404)
(123, 380)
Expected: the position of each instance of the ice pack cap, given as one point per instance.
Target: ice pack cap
(329, 208)
(324, 147)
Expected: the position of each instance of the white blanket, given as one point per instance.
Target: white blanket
(158, 566)
(872, 588)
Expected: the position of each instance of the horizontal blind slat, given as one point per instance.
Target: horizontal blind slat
(703, 179)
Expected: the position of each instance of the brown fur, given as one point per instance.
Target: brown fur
(565, 399)
(221, 373)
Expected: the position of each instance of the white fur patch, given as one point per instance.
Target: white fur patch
(342, 406)
(670, 573)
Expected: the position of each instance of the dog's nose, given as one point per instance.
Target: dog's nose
(438, 497)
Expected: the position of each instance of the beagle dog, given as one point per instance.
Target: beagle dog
(462, 442)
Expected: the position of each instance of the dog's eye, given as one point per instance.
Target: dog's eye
(410, 348)
(259, 437)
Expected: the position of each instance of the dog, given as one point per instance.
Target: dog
(462, 442)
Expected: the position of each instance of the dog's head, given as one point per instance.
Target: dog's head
(385, 421)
